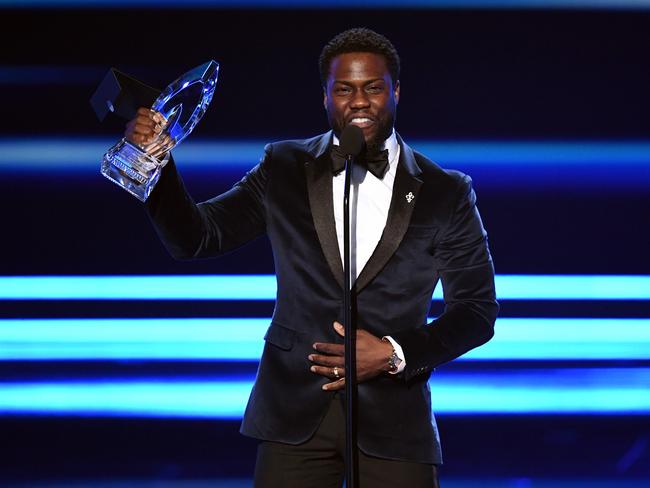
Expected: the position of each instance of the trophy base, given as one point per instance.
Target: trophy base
(132, 169)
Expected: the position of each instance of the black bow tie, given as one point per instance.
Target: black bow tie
(376, 163)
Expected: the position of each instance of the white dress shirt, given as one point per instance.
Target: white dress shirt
(369, 203)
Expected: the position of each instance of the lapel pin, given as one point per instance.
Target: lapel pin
(409, 197)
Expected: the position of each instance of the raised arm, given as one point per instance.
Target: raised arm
(210, 228)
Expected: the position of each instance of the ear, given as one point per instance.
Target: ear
(396, 92)
(325, 98)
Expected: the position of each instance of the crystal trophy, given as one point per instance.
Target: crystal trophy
(180, 106)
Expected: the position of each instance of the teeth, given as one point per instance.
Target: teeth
(361, 120)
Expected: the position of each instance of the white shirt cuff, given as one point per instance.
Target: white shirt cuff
(400, 354)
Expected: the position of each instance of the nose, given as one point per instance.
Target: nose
(359, 100)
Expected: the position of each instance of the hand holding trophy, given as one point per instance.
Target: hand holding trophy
(135, 162)
(147, 131)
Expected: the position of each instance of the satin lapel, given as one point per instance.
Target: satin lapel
(319, 187)
(405, 196)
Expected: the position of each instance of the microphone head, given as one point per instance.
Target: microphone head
(352, 141)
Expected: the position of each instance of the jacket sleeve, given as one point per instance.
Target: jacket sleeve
(221, 224)
(465, 266)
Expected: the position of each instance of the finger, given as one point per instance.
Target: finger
(156, 151)
(329, 348)
(150, 113)
(143, 134)
(145, 129)
(153, 148)
(144, 120)
(150, 118)
(149, 123)
(141, 139)
(328, 372)
(331, 361)
(158, 117)
(137, 131)
(340, 330)
(335, 385)
(145, 111)
(166, 143)
(138, 139)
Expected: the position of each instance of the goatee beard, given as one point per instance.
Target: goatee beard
(376, 144)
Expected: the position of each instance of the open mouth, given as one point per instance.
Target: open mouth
(361, 121)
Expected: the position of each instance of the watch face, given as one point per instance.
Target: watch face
(394, 361)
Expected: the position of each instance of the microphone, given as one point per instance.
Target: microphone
(352, 141)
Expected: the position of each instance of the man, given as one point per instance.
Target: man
(412, 224)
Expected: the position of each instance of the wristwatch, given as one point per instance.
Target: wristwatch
(394, 360)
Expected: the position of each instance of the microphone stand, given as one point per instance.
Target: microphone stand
(351, 461)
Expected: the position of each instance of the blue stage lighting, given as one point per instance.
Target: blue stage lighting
(195, 287)
(24, 154)
(27, 153)
(158, 398)
(573, 287)
(241, 339)
(263, 287)
(154, 339)
(582, 164)
(548, 391)
(574, 339)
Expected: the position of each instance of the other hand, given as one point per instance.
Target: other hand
(372, 358)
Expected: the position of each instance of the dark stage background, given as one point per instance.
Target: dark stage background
(539, 78)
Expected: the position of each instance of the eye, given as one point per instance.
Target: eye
(375, 89)
(342, 90)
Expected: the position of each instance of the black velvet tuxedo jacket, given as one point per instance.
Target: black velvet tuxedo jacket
(433, 233)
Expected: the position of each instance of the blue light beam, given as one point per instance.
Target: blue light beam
(551, 391)
(37, 153)
(499, 164)
(240, 339)
(263, 287)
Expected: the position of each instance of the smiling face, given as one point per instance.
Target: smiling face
(360, 91)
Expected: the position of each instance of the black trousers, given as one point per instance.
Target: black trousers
(320, 462)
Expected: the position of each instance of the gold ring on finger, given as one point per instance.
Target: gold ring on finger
(335, 371)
